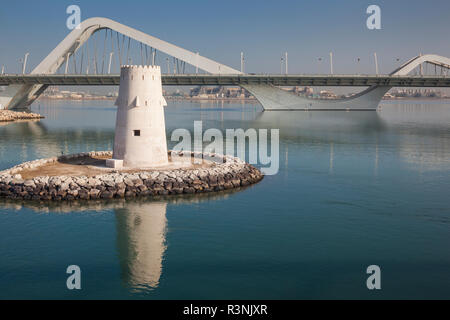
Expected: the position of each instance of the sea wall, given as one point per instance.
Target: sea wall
(226, 173)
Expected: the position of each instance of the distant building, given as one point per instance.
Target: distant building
(219, 92)
(327, 94)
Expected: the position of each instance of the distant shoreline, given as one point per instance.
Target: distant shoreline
(417, 98)
(168, 98)
(226, 99)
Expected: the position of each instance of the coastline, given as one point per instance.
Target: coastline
(166, 97)
(172, 98)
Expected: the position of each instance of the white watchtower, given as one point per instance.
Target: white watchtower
(140, 136)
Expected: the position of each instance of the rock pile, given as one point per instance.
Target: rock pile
(227, 173)
(8, 115)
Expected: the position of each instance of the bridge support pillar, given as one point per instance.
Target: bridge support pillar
(140, 134)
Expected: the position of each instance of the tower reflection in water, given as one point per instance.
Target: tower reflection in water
(141, 232)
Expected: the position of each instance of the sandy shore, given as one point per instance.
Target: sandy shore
(9, 115)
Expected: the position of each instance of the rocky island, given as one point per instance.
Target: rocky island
(85, 176)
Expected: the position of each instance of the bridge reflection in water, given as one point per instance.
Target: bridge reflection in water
(79, 127)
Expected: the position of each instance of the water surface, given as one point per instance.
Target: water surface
(353, 189)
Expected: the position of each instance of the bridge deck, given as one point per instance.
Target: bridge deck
(237, 79)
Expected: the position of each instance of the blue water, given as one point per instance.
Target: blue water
(353, 189)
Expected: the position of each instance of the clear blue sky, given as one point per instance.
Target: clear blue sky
(262, 29)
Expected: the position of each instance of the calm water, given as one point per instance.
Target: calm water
(353, 189)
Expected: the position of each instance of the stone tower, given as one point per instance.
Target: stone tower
(140, 136)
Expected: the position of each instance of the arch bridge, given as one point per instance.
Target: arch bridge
(73, 56)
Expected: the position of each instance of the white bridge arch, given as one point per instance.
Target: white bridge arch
(271, 98)
(22, 96)
(88, 27)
